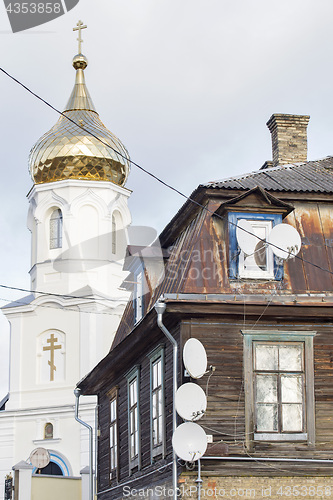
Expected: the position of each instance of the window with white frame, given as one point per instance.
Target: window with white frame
(157, 417)
(113, 435)
(134, 419)
(56, 229)
(261, 264)
(138, 295)
(279, 386)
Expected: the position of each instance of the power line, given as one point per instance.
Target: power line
(25, 290)
(158, 179)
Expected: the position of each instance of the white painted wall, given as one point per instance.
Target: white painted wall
(83, 328)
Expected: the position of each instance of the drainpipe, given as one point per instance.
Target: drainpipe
(199, 480)
(96, 450)
(77, 392)
(160, 308)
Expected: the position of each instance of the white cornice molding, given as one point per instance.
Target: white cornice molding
(78, 183)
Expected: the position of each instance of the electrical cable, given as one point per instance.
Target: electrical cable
(87, 297)
(187, 198)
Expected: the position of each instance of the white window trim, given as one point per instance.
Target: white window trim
(157, 353)
(131, 376)
(138, 295)
(113, 397)
(258, 273)
(277, 336)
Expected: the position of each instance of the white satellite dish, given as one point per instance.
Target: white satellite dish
(285, 241)
(195, 358)
(40, 458)
(189, 441)
(246, 240)
(190, 401)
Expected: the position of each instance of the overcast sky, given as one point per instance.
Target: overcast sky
(187, 85)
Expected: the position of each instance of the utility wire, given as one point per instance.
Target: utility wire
(83, 297)
(158, 179)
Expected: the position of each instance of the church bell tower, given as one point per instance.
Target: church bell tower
(77, 216)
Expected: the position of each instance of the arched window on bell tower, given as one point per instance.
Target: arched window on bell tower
(114, 234)
(56, 229)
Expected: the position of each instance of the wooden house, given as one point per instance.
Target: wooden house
(267, 328)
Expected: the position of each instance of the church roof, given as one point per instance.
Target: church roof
(24, 301)
(72, 149)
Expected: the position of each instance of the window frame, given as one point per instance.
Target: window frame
(56, 221)
(234, 253)
(157, 354)
(138, 300)
(278, 337)
(134, 375)
(113, 396)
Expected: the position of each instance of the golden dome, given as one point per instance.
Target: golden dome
(69, 152)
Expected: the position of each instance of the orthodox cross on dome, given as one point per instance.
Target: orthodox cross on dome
(52, 347)
(79, 28)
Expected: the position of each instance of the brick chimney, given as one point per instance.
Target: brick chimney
(289, 138)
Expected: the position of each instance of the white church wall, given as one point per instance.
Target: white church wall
(85, 257)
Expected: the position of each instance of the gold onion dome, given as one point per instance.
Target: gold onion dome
(69, 152)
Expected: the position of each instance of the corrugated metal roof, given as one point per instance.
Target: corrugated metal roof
(312, 176)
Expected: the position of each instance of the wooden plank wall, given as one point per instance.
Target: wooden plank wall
(225, 412)
(103, 445)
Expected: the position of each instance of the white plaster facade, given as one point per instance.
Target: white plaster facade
(78, 311)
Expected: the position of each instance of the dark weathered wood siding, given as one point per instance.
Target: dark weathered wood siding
(124, 476)
(224, 418)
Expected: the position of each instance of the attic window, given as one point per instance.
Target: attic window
(261, 264)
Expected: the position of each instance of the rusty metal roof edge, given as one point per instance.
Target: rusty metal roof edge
(211, 297)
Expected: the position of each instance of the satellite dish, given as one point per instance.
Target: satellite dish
(40, 458)
(189, 441)
(190, 401)
(287, 239)
(195, 358)
(246, 240)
